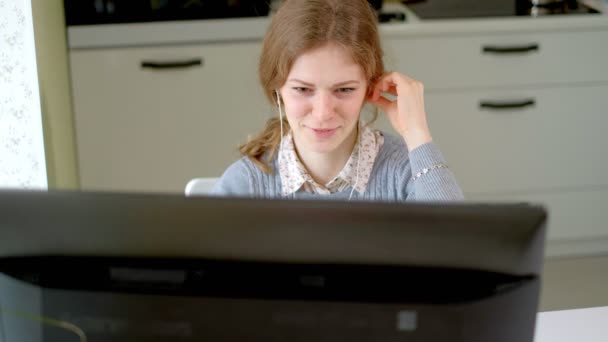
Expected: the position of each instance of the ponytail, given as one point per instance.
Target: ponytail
(263, 148)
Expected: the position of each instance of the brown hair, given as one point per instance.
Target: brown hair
(300, 26)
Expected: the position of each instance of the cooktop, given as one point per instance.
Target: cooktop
(445, 9)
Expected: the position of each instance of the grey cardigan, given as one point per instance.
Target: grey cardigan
(391, 179)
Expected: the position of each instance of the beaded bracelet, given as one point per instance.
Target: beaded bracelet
(426, 170)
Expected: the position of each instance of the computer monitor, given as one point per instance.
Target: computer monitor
(147, 267)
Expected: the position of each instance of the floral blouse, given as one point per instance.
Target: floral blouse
(294, 175)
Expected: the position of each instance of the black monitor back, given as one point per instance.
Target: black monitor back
(123, 267)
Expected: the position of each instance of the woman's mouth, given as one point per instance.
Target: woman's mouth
(324, 133)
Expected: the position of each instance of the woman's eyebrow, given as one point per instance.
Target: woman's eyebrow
(353, 82)
(300, 81)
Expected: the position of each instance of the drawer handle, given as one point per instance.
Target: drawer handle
(507, 105)
(511, 49)
(172, 64)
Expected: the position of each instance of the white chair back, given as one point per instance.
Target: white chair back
(200, 186)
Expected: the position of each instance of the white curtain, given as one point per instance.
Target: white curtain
(22, 159)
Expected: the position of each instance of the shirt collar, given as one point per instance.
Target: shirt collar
(356, 171)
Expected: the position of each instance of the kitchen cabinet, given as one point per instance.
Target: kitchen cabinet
(151, 118)
(520, 115)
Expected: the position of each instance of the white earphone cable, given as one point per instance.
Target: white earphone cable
(280, 122)
(358, 161)
(280, 114)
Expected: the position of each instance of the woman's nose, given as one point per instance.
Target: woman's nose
(323, 107)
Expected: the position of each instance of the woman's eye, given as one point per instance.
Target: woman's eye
(346, 90)
(302, 90)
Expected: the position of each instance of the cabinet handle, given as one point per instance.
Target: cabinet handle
(172, 64)
(496, 105)
(510, 49)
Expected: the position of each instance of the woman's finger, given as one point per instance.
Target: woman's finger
(383, 103)
(391, 89)
(386, 84)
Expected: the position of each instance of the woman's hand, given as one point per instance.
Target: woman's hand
(406, 112)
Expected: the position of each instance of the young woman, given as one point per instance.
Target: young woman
(321, 62)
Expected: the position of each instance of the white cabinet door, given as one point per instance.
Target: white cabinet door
(150, 119)
(488, 60)
(556, 140)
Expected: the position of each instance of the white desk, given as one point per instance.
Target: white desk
(580, 325)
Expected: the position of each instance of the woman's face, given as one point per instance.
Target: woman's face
(323, 96)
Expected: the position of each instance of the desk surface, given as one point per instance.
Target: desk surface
(584, 325)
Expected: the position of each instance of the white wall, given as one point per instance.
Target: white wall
(22, 160)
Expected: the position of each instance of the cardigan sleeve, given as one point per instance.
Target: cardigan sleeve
(236, 181)
(438, 183)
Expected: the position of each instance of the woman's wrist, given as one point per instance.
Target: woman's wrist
(416, 139)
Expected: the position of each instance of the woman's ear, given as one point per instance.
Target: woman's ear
(371, 87)
(370, 91)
